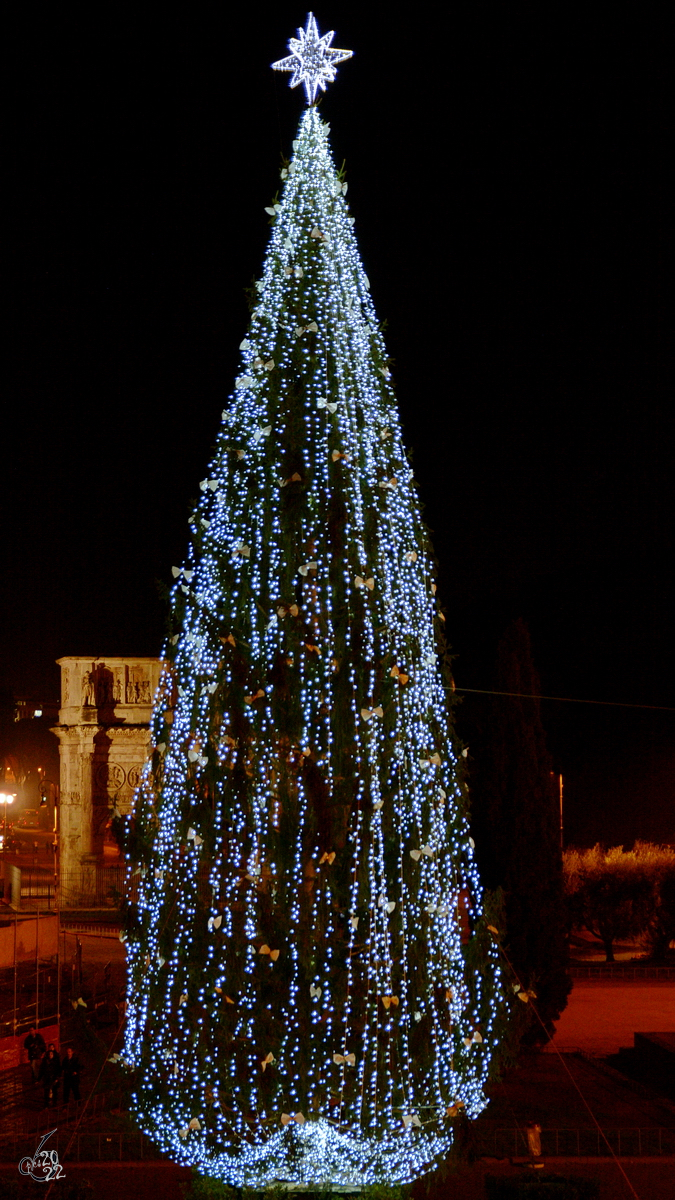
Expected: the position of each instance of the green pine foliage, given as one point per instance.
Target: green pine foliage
(305, 1001)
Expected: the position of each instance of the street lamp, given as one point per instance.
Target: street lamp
(49, 791)
(5, 799)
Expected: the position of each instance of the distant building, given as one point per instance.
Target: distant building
(104, 736)
(28, 708)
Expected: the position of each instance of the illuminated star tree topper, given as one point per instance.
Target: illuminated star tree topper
(312, 59)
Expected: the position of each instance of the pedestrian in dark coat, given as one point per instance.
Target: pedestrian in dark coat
(70, 1069)
(34, 1045)
(50, 1073)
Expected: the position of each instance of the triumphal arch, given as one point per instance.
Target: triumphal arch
(104, 737)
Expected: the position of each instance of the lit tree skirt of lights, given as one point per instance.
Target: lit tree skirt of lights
(313, 988)
(316, 1153)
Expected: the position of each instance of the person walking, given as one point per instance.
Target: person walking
(70, 1069)
(34, 1045)
(50, 1073)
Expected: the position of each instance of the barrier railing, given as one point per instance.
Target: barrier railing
(85, 1147)
(105, 1146)
(18, 1127)
(622, 971)
(578, 1143)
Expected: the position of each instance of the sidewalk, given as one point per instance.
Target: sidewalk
(602, 1016)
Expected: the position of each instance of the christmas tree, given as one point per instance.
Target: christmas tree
(313, 988)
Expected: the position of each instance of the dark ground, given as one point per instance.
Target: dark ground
(649, 1180)
(603, 1014)
(545, 1087)
(556, 1090)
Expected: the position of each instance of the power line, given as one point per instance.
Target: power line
(564, 699)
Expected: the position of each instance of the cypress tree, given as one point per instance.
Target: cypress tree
(517, 824)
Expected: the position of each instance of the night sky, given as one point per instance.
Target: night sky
(509, 171)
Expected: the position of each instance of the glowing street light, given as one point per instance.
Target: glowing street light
(5, 799)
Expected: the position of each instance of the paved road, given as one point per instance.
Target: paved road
(601, 1016)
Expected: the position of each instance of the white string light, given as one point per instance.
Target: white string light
(312, 59)
(300, 1006)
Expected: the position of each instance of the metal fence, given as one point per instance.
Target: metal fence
(118, 1146)
(85, 1147)
(80, 887)
(19, 1128)
(92, 887)
(578, 1143)
(622, 971)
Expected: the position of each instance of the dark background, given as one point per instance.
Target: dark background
(509, 174)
